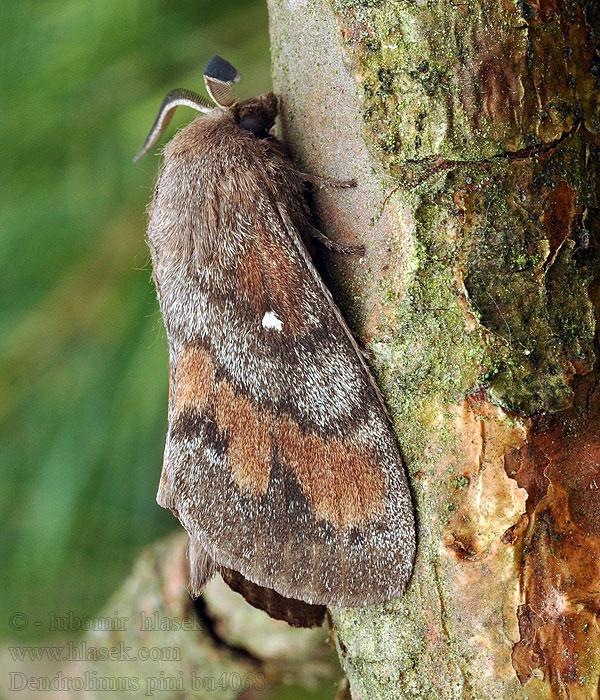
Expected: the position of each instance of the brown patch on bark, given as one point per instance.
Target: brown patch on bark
(341, 483)
(542, 10)
(553, 539)
(499, 81)
(559, 619)
(559, 212)
(462, 549)
(249, 453)
(578, 472)
(357, 33)
(528, 650)
(510, 536)
(526, 466)
(482, 494)
(194, 379)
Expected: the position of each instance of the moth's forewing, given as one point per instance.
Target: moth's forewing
(280, 459)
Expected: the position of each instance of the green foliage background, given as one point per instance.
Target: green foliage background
(83, 361)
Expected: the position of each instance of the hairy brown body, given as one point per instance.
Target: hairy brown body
(280, 459)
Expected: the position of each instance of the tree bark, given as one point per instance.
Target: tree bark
(472, 129)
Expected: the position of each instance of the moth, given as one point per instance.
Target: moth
(280, 459)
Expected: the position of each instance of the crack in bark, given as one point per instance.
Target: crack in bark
(437, 164)
(210, 626)
(444, 626)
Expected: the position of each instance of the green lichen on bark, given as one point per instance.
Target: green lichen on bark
(454, 91)
(467, 81)
(429, 341)
(528, 290)
(426, 356)
(528, 276)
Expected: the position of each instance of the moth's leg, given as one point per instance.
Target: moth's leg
(309, 229)
(326, 181)
(332, 245)
(313, 230)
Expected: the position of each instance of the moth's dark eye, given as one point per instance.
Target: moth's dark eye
(253, 123)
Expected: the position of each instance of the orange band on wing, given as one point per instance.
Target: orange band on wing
(344, 486)
(250, 451)
(194, 379)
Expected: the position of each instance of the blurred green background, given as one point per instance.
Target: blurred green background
(83, 353)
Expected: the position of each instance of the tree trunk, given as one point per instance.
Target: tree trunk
(472, 129)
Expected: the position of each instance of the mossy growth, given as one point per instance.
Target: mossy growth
(408, 63)
(528, 291)
(526, 281)
(461, 71)
(460, 482)
(430, 359)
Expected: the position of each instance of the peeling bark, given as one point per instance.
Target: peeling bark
(473, 131)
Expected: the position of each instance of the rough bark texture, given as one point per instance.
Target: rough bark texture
(472, 129)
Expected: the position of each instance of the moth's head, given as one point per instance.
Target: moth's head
(256, 115)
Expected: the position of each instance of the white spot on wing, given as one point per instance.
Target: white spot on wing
(270, 320)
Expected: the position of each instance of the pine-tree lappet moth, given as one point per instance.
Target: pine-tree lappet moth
(280, 458)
